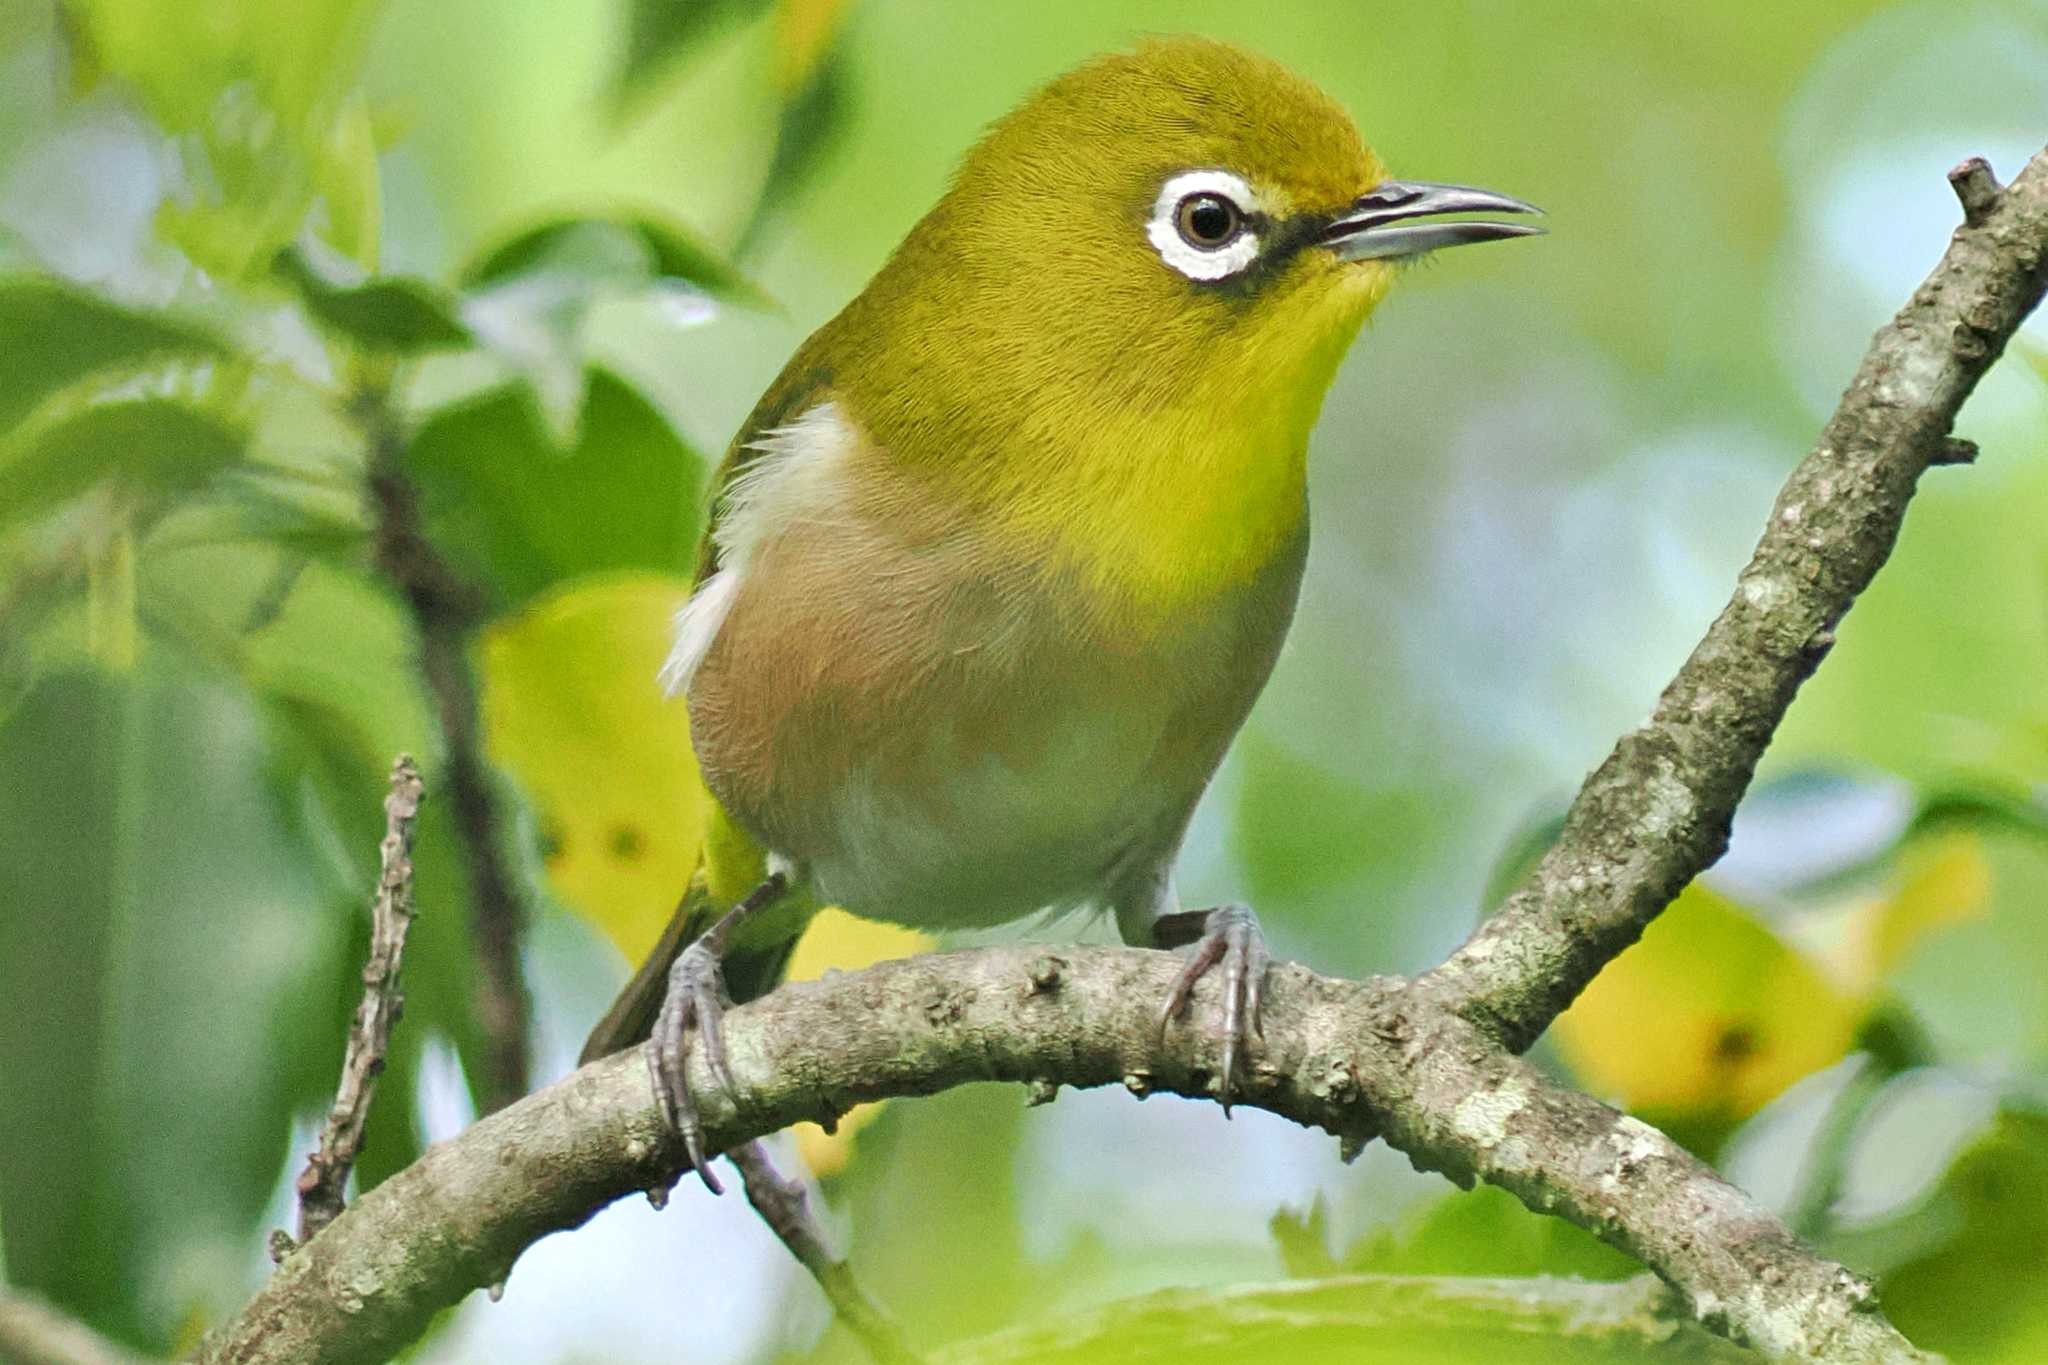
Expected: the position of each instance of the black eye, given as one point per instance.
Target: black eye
(1208, 220)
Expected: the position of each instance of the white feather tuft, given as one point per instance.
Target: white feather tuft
(793, 478)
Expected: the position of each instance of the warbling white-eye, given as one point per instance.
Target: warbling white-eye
(999, 563)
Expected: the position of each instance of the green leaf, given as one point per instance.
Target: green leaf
(251, 95)
(296, 526)
(184, 1006)
(659, 32)
(1977, 1293)
(386, 313)
(806, 131)
(59, 749)
(1487, 1231)
(53, 334)
(628, 250)
(524, 515)
(149, 447)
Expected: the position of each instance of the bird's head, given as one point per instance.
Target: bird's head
(1186, 205)
(1147, 275)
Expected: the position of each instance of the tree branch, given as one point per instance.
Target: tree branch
(1355, 1058)
(1657, 813)
(321, 1184)
(1428, 1065)
(445, 610)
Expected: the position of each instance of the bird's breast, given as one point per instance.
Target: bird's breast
(944, 723)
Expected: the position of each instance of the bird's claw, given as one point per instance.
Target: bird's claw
(1230, 936)
(696, 999)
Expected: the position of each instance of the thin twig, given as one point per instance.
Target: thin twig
(445, 611)
(322, 1183)
(784, 1205)
(35, 1332)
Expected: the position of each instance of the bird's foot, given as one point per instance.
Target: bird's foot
(1229, 936)
(696, 1000)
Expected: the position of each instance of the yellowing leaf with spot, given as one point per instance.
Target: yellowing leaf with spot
(1713, 1014)
(572, 711)
(843, 942)
(1706, 1020)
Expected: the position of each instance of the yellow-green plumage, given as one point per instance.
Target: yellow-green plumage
(1027, 347)
(1005, 555)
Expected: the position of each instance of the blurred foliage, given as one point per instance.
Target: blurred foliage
(566, 701)
(1713, 1015)
(227, 229)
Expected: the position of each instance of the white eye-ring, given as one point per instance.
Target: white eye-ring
(1201, 224)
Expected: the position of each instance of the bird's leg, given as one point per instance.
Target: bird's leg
(1230, 936)
(697, 999)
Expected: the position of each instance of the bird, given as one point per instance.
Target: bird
(998, 565)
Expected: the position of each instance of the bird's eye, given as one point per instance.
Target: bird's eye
(1208, 220)
(1201, 225)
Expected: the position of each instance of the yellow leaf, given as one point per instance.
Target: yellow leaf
(1941, 881)
(1707, 1019)
(572, 711)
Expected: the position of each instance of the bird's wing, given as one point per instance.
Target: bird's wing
(802, 383)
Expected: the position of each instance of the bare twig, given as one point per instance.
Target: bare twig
(445, 610)
(1428, 1064)
(784, 1205)
(34, 1332)
(322, 1183)
(1976, 189)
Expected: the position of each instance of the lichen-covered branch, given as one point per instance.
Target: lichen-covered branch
(1355, 1058)
(321, 1183)
(1657, 813)
(1429, 1065)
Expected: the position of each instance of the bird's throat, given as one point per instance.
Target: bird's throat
(1155, 513)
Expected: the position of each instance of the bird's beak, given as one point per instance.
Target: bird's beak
(1378, 223)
